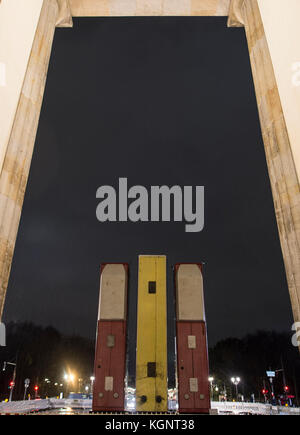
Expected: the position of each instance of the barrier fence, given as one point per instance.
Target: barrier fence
(219, 408)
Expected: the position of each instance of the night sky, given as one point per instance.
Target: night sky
(161, 101)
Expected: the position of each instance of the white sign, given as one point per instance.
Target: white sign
(2, 335)
(271, 374)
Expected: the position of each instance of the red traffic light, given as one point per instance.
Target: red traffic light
(286, 388)
(36, 388)
(264, 391)
(12, 384)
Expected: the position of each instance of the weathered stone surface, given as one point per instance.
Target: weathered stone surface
(15, 170)
(190, 299)
(281, 167)
(209, 7)
(113, 293)
(64, 18)
(235, 14)
(85, 8)
(146, 8)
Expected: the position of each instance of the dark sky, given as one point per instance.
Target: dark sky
(159, 101)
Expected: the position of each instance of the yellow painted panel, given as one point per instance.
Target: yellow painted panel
(152, 335)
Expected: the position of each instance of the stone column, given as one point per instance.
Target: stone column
(281, 167)
(15, 170)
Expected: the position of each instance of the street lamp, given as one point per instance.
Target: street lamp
(92, 379)
(236, 382)
(210, 380)
(79, 384)
(225, 392)
(71, 377)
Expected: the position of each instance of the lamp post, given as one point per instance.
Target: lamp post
(80, 385)
(92, 379)
(66, 379)
(26, 385)
(236, 381)
(210, 380)
(12, 383)
(225, 393)
(217, 391)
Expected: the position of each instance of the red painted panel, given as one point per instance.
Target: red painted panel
(201, 367)
(192, 363)
(110, 362)
(184, 365)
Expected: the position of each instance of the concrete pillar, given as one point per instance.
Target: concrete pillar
(151, 347)
(117, 8)
(191, 340)
(18, 23)
(16, 165)
(279, 155)
(110, 357)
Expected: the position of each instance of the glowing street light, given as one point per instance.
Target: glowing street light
(92, 379)
(210, 380)
(236, 381)
(71, 378)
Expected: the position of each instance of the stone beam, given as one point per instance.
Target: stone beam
(17, 160)
(64, 18)
(235, 14)
(106, 8)
(279, 156)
